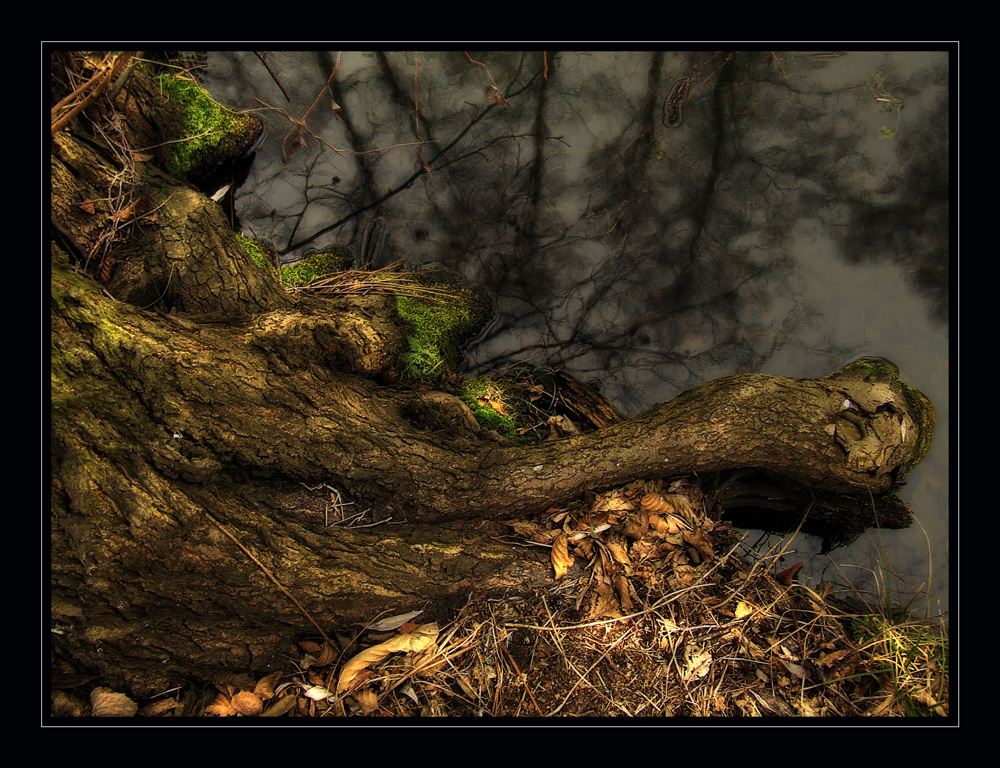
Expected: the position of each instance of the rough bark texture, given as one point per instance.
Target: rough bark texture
(205, 426)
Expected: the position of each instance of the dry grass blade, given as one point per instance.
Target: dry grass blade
(386, 280)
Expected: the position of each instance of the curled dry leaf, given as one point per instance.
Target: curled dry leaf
(654, 502)
(265, 686)
(281, 706)
(664, 525)
(622, 589)
(221, 707)
(327, 655)
(700, 541)
(785, 577)
(562, 560)
(616, 505)
(106, 703)
(247, 704)
(422, 638)
(310, 647)
(367, 700)
(636, 525)
(618, 553)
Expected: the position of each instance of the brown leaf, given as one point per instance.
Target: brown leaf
(605, 603)
(221, 707)
(785, 577)
(635, 525)
(622, 590)
(524, 529)
(106, 703)
(265, 686)
(422, 638)
(328, 654)
(310, 647)
(795, 669)
(534, 392)
(158, 708)
(493, 402)
(562, 560)
(247, 704)
(367, 700)
(87, 205)
(664, 525)
(618, 553)
(700, 541)
(281, 706)
(829, 659)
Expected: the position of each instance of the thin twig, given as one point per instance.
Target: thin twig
(263, 60)
(416, 111)
(271, 576)
(98, 89)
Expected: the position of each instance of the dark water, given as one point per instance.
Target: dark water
(647, 220)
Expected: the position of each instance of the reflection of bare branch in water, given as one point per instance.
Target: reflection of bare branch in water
(651, 258)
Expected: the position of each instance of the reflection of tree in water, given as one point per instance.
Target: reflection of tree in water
(646, 257)
(903, 220)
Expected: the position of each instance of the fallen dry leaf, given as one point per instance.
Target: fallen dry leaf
(316, 692)
(604, 603)
(700, 541)
(785, 577)
(247, 704)
(281, 706)
(265, 686)
(698, 663)
(106, 703)
(422, 638)
(367, 700)
(622, 588)
(221, 707)
(562, 560)
(618, 553)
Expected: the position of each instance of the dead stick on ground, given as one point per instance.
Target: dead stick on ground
(269, 575)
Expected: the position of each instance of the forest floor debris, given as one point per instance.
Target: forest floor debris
(654, 611)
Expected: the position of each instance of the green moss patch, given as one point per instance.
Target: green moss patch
(257, 252)
(316, 265)
(497, 404)
(440, 325)
(213, 134)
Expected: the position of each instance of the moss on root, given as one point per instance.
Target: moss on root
(257, 252)
(213, 133)
(440, 325)
(496, 404)
(316, 265)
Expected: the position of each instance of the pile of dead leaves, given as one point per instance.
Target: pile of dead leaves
(655, 609)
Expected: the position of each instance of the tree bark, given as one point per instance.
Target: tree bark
(206, 425)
